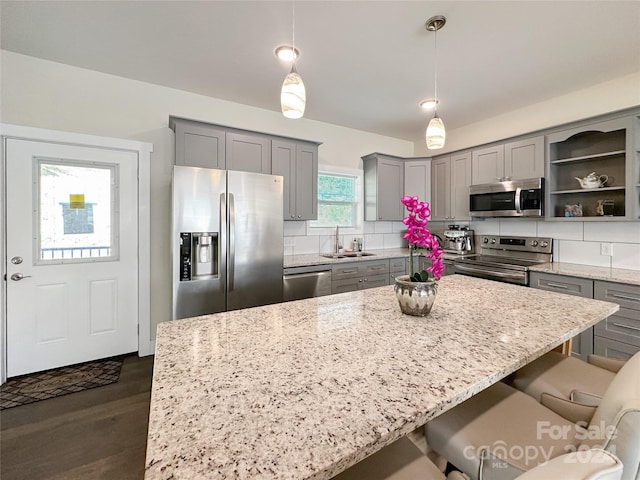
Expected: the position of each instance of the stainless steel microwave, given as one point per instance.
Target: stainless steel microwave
(514, 198)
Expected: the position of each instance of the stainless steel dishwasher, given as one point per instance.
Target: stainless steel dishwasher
(306, 282)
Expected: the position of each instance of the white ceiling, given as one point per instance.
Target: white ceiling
(365, 64)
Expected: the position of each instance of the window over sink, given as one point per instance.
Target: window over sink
(338, 200)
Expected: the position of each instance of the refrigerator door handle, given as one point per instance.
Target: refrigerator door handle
(232, 241)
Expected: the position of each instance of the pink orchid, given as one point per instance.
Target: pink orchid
(418, 235)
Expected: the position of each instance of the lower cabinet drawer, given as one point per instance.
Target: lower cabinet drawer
(624, 326)
(562, 284)
(376, 268)
(613, 348)
(627, 296)
(347, 270)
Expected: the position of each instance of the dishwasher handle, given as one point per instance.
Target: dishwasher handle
(305, 275)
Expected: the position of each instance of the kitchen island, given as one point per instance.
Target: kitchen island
(306, 389)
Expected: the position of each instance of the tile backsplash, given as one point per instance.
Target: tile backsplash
(573, 242)
(299, 238)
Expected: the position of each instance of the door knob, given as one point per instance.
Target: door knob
(16, 277)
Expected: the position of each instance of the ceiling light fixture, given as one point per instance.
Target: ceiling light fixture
(428, 104)
(287, 53)
(293, 97)
(435, 131)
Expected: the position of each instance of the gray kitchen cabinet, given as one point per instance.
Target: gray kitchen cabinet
(487, 165)
(383, 187)
(582, 344)
(510, 161)
(248, 152)
(297, 162)
(417, 178)
(349, 277)
(397, 268)
(618, 334)
(450, 180)
(524, 158)
(198, 144)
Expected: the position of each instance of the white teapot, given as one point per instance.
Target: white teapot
(592, 180)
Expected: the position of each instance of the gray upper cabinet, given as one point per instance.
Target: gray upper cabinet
(441, 189)
(417, 178)
(383, 187)
(297, 162)
(198, 144)
(524, 158)
(509, 161)
(487, 165)
(248, 152)
(450, 180)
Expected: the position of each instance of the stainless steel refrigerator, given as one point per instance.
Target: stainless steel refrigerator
(227, 240)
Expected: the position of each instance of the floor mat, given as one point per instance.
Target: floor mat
(59, 381)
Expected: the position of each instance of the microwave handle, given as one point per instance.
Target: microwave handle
(518, 192)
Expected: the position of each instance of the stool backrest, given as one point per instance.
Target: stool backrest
(615, 425)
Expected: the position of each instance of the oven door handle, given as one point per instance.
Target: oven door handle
(489, 272)
(518, 193)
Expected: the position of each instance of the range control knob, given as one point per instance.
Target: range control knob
(534, 243)
(493, 240)
(544, 244)
(485, 240)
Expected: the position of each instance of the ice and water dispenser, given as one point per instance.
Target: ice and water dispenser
(198, 255)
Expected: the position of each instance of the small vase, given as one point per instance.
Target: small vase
(415, 298)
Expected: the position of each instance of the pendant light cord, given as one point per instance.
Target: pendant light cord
(293, 29)
(435, 82)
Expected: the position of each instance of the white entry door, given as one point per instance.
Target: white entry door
(72, 254)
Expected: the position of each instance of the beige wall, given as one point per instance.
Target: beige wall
(618, 94)
(39, 93)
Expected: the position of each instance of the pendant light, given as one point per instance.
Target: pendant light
(293, 97)
(436, 134)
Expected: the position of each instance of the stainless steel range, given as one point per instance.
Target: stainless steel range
(506, 259)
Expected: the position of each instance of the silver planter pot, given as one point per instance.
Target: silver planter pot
(415, 298)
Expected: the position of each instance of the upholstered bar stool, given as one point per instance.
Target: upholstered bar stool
(502, 432)
(568, 386)
(402, 460)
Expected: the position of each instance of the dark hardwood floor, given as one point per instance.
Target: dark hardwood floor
(95, 434)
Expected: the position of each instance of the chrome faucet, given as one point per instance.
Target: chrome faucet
(338, 244)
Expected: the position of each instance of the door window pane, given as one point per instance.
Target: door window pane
(76, 211)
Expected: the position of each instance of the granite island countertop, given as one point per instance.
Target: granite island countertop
(306, 389)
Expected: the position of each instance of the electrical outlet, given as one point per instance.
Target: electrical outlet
(606, 249)
(288, 241)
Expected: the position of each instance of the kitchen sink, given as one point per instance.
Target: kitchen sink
(348, 255)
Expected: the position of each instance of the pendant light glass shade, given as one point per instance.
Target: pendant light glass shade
(435, 133)
(293, 97)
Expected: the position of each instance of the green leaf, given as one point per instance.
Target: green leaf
(424, 275)
(416, 277)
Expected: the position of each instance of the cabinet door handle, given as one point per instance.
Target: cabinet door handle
(360, 281)
(557, 285)
(349, 271)
(627, 326)
(625, 297)
(379, 267)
